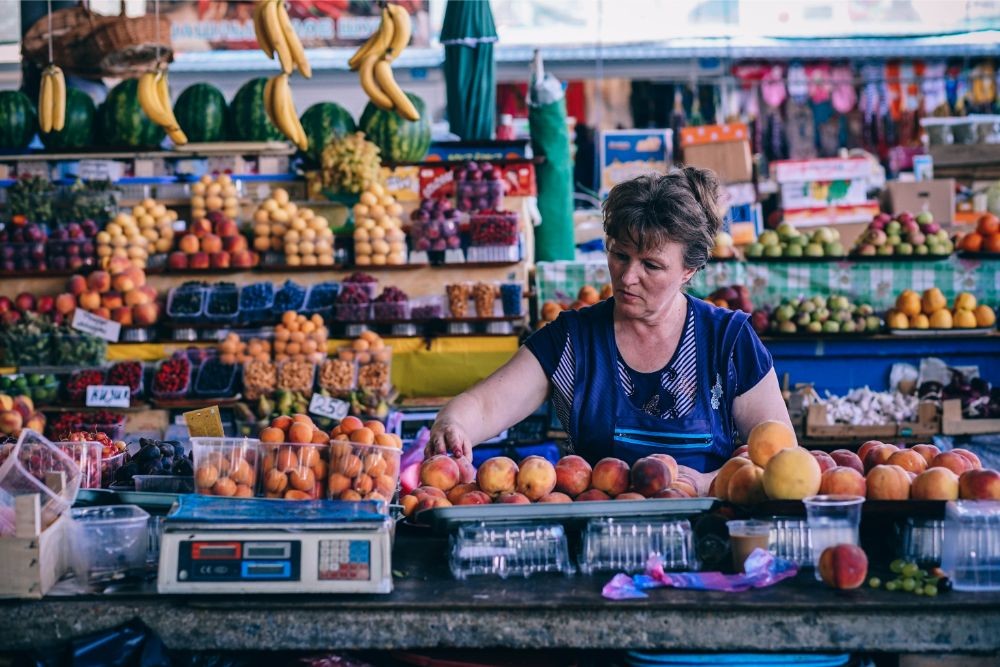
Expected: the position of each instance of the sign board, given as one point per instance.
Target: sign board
(329, 407)
(108, 396)
(205, 423)
(626, 154)
(96, 326)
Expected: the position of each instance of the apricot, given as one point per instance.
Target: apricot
(272, 434)
(746, 486)
(373, 464)
(671, 463)
(242, 473)
(409, 503)
(243, 491)
(206, 476)
(933, 301)
(283, 422)
(824, 460)
(935, 484)
(362, 436)
(908, 303)
(308, 456)
(847, 459)
(842, 480)
(844, 566)
(439, 471)
(513, 498)
(536, 477)
(340, 448)
(286, 459)
(350, 424)
(972, 458)
(296, 494)
(979, 485)
(350, 494)
(879, 455)
(386, 485)
(792, 474)
(611, 476)
(302, 418)
(467, 471)
(887, 482)
(908, 460)
(319, 437)
(720, 485)
(767, 439)
(303, 479)
(337, 483)
(555, 497)
(592, 494)
(926, 451)
(349, 465)
(429, 491)
(684, 486)
(497, 475)
(473, 498)
(375, 426)
(363, 484)
(459, 490)
(224, 487)
(953, 461)
(630, 495)
(650, 476)
(572, 475)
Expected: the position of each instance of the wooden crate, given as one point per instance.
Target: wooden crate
(33, 559)
(927, 424)
(952, 422)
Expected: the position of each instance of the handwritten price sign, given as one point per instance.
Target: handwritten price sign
(108, 396)
(329, 407)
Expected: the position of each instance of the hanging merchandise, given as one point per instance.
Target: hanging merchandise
(801, 130)
(154, 94)
(549, 137)
(798, 83)
(468, 34)
(52, 96)
(275, 35)
(932, 88)
(678, 119)
(844, 97)
(373, 61)
(984, 88)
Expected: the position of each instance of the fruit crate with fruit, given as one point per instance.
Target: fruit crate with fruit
(954, 422)
(927, 424)
(186, 303)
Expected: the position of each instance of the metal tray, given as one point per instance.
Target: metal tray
(444, 519)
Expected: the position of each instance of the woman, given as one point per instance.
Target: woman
(648, 370)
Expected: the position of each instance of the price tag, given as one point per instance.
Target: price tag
(205, 423)
(96, 326)
(329, 407)
(108, 396)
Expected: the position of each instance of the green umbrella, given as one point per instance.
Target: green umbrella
(470, 72)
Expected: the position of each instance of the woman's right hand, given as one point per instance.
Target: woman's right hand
(448, 437)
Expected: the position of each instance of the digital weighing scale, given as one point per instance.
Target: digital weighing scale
(234, 545)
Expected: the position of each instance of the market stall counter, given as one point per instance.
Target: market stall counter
(429, 608)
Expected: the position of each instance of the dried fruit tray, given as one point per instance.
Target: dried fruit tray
(445, 519)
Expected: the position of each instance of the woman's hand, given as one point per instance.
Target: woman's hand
(448, 437)
(703, 480)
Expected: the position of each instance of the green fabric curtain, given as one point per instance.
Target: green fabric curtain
(550, 138)
(470, 72)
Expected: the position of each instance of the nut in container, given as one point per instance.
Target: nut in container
(338, 376)
(458, 298)
(225, 466)
(297, 376)
(485, 297)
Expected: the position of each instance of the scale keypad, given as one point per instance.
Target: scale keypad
(344, 560)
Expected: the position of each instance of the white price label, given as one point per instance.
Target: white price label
(96, 326)
(108, 396)
(329, 407)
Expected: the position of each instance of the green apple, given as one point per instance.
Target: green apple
(815, 327)
(849, 327)
(831, 326)
(834, 249)
(925, 218)
(893, 239)
(884, 250)
(921, 249)
(904, 249)
(787, 327)
(873, 323)
(768, 238)
(793, 250)
(755, 250)
(893, 227)
(772, 251)
(814, 250)
(784, 313)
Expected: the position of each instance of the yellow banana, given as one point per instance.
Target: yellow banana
(173, 127)
(284, 111)
(366, 71)
(149, 99)
(45, 103)
(58, 98)
(258, 29)
(272, 28)
(387, 83)
(401, 32)
(292, 39)
(387, 24)
(269, 100)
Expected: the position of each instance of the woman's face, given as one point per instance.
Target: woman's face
(646, 283)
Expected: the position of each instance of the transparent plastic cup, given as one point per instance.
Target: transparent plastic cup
(833, 520)
(225, 466)
(970, 554)
(745, 536)
(294, 471)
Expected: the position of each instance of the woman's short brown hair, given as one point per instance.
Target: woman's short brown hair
(682, 206)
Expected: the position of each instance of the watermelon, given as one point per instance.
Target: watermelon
(247, 119)
(322, 122)
(78, 131)
(399, 140)
(201, 112)
(18, 122)
(123, 123)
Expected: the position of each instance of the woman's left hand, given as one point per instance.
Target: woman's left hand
(703, 480)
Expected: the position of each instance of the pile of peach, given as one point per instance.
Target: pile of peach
(364, 461)
(447, 481)
(294, 455)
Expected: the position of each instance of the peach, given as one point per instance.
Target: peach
(536, 477)
(573, 475)
(767, 439)
(555, 497)
(473, 498)
(844, 566)
(409, 503)
(76, 285)
(887, 482)
(630, 495)
(824, 460)
(440, 471)
(112, 300)
(908, 460)
(935, 484)
(843, 481)
(90, 300)
(497, 475)
(99, 281)
(459, 490)
(686, 486)
(211, 243)
(122, 316)
(189, 244)
(122, 282)
(847, 459)
(926, 451)
(11, 422)
(513, 498)
(952, 461)
(746, 486)
(866, 447)
(973, 459)
(670, 461)
(721, 482)
(673, 493)
(145, 314)
(610, 476)
(201, 227)
(199, 260)
(592, 494)
(979, 485)
(650, 476)
(792, 474)
(432, 491)
(878, 455)
(65, 303)
(467, 471)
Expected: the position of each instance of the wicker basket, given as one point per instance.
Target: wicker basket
(128, 46)
(71, 29)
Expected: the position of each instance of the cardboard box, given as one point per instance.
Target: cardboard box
(710, 134)
(730, 160)
(817, 194)
(937, 196)
(831, 215)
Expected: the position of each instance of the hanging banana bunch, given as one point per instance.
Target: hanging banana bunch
(52, 100)
(275, 35)
(281, 110)
(373, 61)
(154, 98)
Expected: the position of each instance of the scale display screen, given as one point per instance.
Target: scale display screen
(205, 560)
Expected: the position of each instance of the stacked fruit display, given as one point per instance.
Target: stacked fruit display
(587, 296)
(830, 315)
(281, 226)
(212, 242)
(22, 248)
(122, 296)
(378, 229)
(123, 239)
(156, 223)
(294, 459)
(300, 338)
(434, 226)
(156, 457)
(233, 350)
(787, 241)
(986, 238)
(930, 311)
(215, 194)
(72, 246)
(734, 297)
(479, 187)
(350, 164)
(903, 235)
(18, 412)
(364, 461)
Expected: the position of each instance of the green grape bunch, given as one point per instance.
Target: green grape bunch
(351, 164)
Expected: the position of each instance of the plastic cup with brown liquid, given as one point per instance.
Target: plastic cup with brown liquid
(744, 537)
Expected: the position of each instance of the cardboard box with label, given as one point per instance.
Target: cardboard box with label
(936, 196)
(730, 160)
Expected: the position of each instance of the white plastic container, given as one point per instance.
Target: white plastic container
(970, 554)
(108, 543)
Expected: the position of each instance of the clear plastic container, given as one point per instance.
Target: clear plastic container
(459, 295)
(227, 390)
(494, 253)
(376, 375)
(171, 395)
(24, 467)
(71, 348)
(291, 296)
(509, 550)
(320, 300)
(938, 131)
(294, 471)
(479, 195)
(223, 303)
(186, 312)
(87, 457)
(163, 484)
(790, 540)
(833, 519)
(921, 541)
(338, 376)
(745, 537)
(971, 551)
(391, 312)
(76, 391)
(484, 296)
(293, 376)
(25, 257)
(493, 228)
(363, 472)
(352, 312)
(256, 303)
(108, 543)
(115, 375)
(225, 466)
(110, 466)
(114, 430)
(625, 546)
(427, 308)
(369, 288)
(963, 131)
(987, 128)
(31, 351)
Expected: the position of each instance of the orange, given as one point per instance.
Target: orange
(300, 433)
(908, 303)
(288, 317)
(350, 424)
(972, 242)
(282, 422)
(992, 243)
(272, 434)
(363, 436)
(988, 224)
(375, 426)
